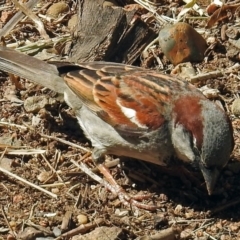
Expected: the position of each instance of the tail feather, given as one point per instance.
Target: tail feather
(32, 69)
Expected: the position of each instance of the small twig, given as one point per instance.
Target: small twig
(15, 19)
(205, 76)
(53, 170)
(13, 125)
(152, 43)
(46, 136)
(83, 228)
(186, 221)
(84, 195)
(4, 186)
(151, 8)
(5, 7)
(79, 197)
(32, 210)
(157, 59)
(73, 187)
(54, 185)
(6, 220)
(45, 17)
(42, 43)
(40, 228)
(25, 151)
(66, 220)
(57, 158)
(27, 182)
(211, 237)
(65, 142)
(35, 19)
(204, 225)
(95, 177)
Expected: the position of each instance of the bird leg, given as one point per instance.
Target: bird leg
(116, 189)
(98, 155)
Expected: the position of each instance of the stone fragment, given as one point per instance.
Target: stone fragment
(182, 43)
(103, 233)
(236, 107)
(57, 8)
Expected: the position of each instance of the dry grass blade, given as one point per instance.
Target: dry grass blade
(28, 183)
(65, 142)
(205, 76)
(31, 15)
(85, 169)
(53, 170)
(221, 14)
(39, 151)
(12, 125)
(152, 8)
(7, 222)
(83, 228)
(15, 19)
(34, 47)
(25, 181)
(25, 151)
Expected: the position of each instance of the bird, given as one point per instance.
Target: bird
(135, 112)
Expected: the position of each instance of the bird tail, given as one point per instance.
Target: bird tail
(31, 68)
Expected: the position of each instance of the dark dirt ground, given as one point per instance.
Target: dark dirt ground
(183, 201)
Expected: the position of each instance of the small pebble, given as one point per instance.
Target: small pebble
(236, 107)
(73, 22)
(35, 103)
(189, 215)
(43, 176)
(57, 8)
(56, 231)
(55, 190)
(82, 219)
(182, 43)
(121, 213)
(186, 234)
(178, 209)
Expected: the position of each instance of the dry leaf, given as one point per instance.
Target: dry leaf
(222, 14)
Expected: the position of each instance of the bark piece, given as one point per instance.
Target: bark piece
(109, 34)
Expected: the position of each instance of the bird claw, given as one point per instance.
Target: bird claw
(115, 188)
(125, 199)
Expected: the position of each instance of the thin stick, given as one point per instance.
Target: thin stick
(35, 19)
(211, 237)
(6, 220)
(83, 228)
(53, 170)
(95, 177)
(15, 19)
(55, 185)
(13, 125)
(46, 136)
(65, 142)
(28, 183)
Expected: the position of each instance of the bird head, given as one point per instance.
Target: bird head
(202, 133)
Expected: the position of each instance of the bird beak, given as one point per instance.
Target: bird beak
(210, 176)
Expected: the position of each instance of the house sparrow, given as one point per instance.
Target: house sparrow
(135, 112)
